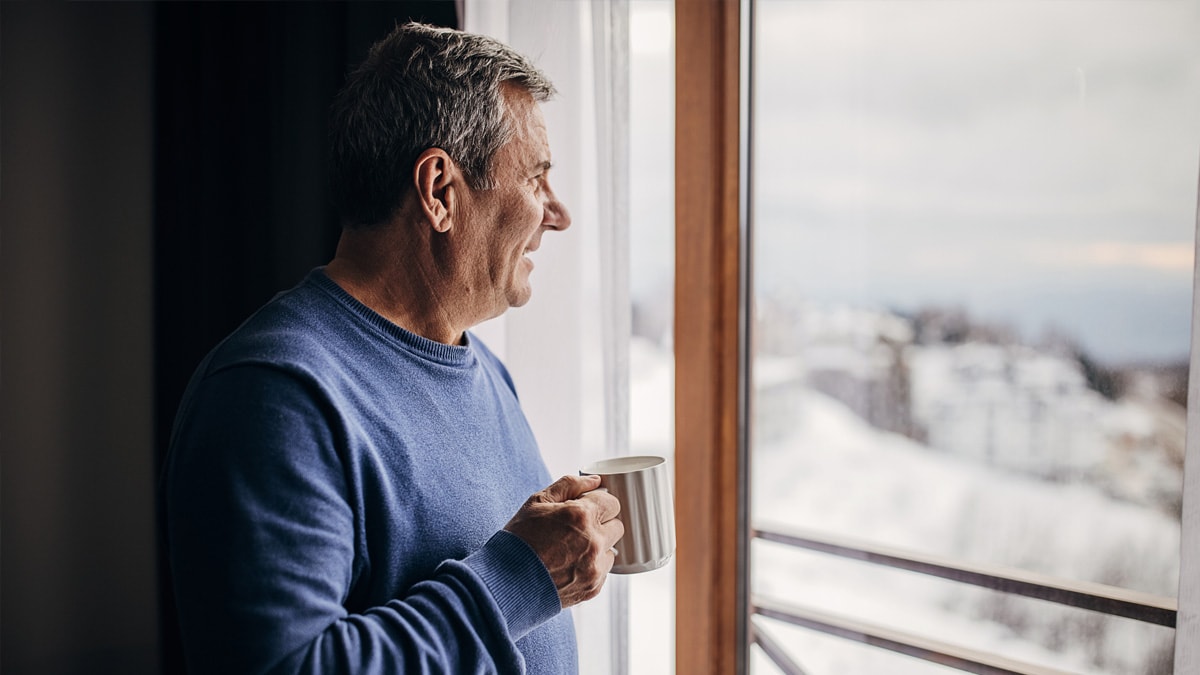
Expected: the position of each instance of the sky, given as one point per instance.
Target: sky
(1034, 162)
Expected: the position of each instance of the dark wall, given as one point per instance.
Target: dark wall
(161, 175)
(75, 217)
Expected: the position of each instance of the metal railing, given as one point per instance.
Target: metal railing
(774, 650)
(1101, 598)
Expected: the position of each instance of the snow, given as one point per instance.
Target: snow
(837, 475)
(817, 464)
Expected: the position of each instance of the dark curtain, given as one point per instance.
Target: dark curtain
(241, 207)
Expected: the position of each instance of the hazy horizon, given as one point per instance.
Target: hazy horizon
(1031, 162)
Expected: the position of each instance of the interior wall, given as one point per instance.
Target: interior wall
(77, 579)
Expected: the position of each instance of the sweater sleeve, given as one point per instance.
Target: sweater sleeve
(261, 539)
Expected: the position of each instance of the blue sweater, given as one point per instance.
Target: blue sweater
(335, 492)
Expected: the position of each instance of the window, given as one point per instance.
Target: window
(911, 165)
(973, 252)
(651, 603)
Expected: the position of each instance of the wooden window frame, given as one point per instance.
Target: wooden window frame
(711, 370)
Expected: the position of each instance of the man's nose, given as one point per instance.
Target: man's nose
(555, 214)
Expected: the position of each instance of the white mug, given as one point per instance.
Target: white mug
(643, 486)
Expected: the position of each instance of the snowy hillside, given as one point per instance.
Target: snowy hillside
(838, 475)
(818, 464)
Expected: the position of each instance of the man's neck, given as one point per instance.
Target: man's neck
(395, 276)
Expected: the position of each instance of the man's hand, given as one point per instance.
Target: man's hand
(572, 527)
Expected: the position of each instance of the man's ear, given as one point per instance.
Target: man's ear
(436, 178)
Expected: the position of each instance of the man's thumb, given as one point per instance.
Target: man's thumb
(570, 487)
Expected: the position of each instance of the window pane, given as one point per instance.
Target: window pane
(973, 262)
(651, 281)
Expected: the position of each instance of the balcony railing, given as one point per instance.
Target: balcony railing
(1108, 600)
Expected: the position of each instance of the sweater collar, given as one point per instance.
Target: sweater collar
(451, 355)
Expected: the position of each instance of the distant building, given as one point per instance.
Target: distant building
(1009, 406)
(975, 392)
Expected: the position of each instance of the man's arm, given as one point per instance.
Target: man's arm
(262, 545)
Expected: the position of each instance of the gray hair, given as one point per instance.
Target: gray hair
(421, 87)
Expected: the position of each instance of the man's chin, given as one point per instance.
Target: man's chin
(518, 297)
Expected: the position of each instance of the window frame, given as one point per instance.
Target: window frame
(711, 337)
(1187, 621)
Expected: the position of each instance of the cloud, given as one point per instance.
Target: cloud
(1168, 257)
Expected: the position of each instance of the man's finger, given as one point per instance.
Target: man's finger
(607, 506)
(613, 530)
(570, 487)
(609, 560)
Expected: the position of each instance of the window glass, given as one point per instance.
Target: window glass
(652, 272)
(972, 269)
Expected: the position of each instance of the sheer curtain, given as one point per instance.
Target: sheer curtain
(568, 349)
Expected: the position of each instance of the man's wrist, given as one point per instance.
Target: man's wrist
(519, 582)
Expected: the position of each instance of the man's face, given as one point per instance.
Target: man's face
(508, 220)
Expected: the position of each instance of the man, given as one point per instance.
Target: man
(345, 467)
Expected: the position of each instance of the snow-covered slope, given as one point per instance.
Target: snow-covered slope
(819, 465)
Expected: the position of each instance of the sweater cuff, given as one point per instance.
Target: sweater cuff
(519, 582)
